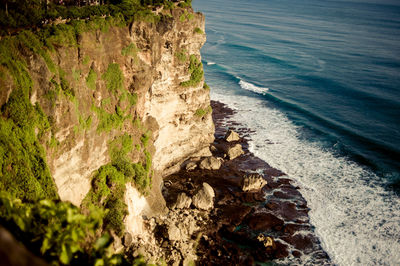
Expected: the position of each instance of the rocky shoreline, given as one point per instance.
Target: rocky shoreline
(246, 224)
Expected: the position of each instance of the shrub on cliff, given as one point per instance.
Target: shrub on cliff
(196, 72)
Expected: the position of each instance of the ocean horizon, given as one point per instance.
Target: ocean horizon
(319, 83)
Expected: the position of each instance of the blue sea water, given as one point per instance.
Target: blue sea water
(319, 82)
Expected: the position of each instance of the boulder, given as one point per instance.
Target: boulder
(204, 199)
(210, 163)
(234, 151)
(253, 182)
(183, 201)
(190, 166)
(231, 136)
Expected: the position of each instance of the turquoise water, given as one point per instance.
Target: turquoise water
(320, 80)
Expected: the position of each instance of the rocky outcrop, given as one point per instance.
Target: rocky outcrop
(183, 201)
(231, 136)
(234, 151)
(253, 182)
(210, 163)
(204, 199)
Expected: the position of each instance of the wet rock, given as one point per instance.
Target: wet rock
(302, 242)
(264, 221)
(267, 241)
(231, 136)
(204, 199)
(210, 163)
(234, 151)
(253, 182)
(183, 201)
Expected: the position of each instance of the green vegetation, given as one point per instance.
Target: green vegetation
(196, 72)
(145, 138)
(76, 74)
(109, 121)
(205, 86)
(91, 79)
(60, 233)
(114, 78)
(198, 30)
(108, 184)
(131, 50)
(202, 112)
(181, 55)
(186, 3)
(86, 60)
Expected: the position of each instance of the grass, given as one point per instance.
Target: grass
(109, 121)
(205, 86)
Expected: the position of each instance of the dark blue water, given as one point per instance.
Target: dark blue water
(331, 66)
(330, 71)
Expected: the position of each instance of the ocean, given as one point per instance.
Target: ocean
(319, 83)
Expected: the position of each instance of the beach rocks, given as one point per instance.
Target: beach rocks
(210, 163)
(234, 151)
(204, 199)
(231, 136)
(264, 222)
(183, 201)
(253, 182)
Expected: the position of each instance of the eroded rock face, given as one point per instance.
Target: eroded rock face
(204, 199)
(152, 73)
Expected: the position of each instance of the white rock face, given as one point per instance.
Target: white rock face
(137, 204)
(183, 201)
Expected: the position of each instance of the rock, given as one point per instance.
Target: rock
(213, 148)
(253, 182)
(267, 241)
(231, 136)
(204, 199)
(174, 233)
(183, 201)
(127, 239)
(190, 166)
(264, 222)
(210, 163)
(234, 151)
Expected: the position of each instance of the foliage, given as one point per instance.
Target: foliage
(198, 30)
(186, 3)
(145, 138)
(91, 79)
(109, 121)
(205, 86)
(196, 72)
(114, 78)
(59, 232)
(108, 184)
(202, 112)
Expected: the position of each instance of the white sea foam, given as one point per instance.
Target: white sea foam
(251, 87)
(210, 63)
(357, 221)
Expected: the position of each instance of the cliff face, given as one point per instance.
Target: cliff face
(122, 81)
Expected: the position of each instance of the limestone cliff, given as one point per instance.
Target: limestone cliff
(114, 81)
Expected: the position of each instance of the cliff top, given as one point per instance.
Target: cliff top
(17, 15)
